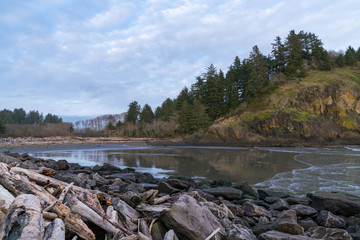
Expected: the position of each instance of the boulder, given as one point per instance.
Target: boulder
(8, 159)
(190, 220)
(220, 211)
(280, 205)
(62, 165)
(253, 210)
(165, 187)
(228, 193)
(144, 177)
(245, 188)
(237, 231)
(275, 235)
(330, 233)
(287, 223)
(330, 220)
(307, 223)
(303, 201)
(337, 203)
(302, 210)
(264, 193)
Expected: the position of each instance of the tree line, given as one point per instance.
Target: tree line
(20, 116)
(216, 94)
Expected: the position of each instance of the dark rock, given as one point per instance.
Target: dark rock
(123, 176)
(50, 164)
(287, 223)
(270, 200)
(307, 223)
(74, 166)
(145, 178)
(8, 159)
(235, 209)
(294, 201)
(158, 230)
(275, 235)
(237, 231)
(262, 203)
(71, 178)
(107, 169)
(181, 184)
(330, 220)
(29, 165)
(302, 210)
(330, 233)
(228, 193)
(190, 220)
(245, 188)
(280, 205)
(164, 187)
(264, 193)
(63, 165)
(253, 210)
(337, 203)
(148, 186)
(99, 179)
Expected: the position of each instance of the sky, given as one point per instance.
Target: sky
(85, 58)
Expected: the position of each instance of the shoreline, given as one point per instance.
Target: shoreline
(177, 206)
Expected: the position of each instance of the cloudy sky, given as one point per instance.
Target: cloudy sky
(92, 57)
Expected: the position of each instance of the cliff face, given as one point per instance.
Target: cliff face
(323, 108)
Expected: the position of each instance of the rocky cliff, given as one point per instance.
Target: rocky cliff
(321, 109)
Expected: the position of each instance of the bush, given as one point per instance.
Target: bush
(2, 127)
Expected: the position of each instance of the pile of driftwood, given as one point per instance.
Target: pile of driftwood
(47, 208)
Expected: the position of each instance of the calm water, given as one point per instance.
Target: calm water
(293, 170)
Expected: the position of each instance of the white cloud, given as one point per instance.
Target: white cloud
(97, 58)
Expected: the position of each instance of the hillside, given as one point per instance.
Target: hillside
(323, 108)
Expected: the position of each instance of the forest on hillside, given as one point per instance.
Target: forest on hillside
(216, 93)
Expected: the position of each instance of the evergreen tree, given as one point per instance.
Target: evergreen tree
(2, 127)
(200, 119)
(183, 96)
(350, 56)
(279, 55)
(19, 115)
(185, 116)
(213, 92)
(167, 109)
(358, 54)
(198, 88)
(33, 117)
(110, 126)
(158, 113)
(231, 92)
(147, 115)
(133, 112)
(258, 78)
(49, 118)
(340, 60)
(293, 48)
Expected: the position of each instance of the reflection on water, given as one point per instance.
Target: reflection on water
(293, 170)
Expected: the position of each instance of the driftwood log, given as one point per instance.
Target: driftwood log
(55, 230)
(24, 220)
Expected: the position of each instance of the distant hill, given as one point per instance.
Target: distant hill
(322, 108)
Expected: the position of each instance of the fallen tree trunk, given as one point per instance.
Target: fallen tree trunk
(24, 219)
(55, 230)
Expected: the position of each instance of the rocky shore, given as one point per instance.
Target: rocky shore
(47, 199)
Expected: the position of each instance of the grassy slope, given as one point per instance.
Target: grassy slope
(263, 107)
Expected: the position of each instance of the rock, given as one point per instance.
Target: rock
(180, 184)
(71, 178)
(330, 220)
(307, 223)
(220, 211)
(8, 159)
(253, 210)
(124, 176)
(236, 231)
(245, 188)
(330, 233)
(99, 179)
(190, 220)
(302, 210)
(280, 205)
(264, 193)
(170, 235)
(144, 178)
(63, 165)
(337, 203)
(235, 209)
(29, 165)
(164, 187)
(270, 200)
(158, 230)
(148, 186)
(275, 235)
(287, 223)
(228, 193)
(303, 201)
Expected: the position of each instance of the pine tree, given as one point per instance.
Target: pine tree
(350, 56)
(278, 54)
(133, 112)
(183, 96)
(147, 115)
(340, 60)
(293, 48)
(2, 127)
(258, 78)
(185, 117)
